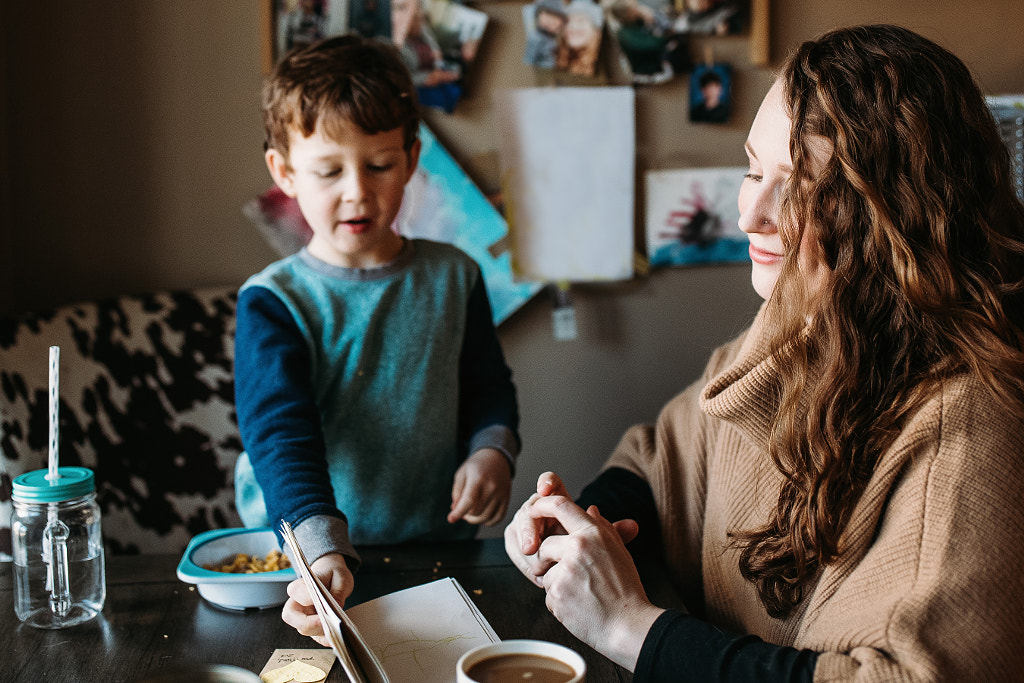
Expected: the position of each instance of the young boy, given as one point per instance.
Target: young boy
(373, 397)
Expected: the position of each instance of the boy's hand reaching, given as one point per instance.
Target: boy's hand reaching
(483, 485)
(299, 612)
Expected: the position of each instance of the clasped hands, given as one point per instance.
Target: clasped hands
(580, 560)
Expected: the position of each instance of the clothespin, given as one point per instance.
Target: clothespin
(563, 317)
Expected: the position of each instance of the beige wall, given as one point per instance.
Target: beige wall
(5, 186)
(133, 140)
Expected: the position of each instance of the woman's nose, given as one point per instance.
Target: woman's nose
(758, 213)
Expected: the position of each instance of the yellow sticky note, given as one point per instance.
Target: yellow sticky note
(310, 662)
(298, 672)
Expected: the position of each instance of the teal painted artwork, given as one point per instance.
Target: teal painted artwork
(693, 217)
(444, 205)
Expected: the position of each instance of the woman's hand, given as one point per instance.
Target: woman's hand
(525, 532)
(299, 612)
(482, 488)
(591, 582)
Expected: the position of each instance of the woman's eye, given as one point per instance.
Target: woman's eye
(756, 177)
(379, 168)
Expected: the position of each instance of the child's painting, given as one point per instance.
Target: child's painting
(441, 203)
(563, 36)
(693, 217)
(438, 39)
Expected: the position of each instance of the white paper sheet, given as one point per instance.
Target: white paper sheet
(567, 158)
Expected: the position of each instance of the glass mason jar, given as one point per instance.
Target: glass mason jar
(58, 548)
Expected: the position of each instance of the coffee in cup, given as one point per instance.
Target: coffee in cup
(521, 661)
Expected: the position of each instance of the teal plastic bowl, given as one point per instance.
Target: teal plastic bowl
(260, 590)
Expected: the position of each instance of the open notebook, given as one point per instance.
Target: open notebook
(412, 635)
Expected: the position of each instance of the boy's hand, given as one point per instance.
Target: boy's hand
(299, 612)
(483, 485)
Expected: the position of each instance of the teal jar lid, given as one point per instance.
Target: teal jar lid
(34, 487)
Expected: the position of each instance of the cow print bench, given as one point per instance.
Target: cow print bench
(146, 402)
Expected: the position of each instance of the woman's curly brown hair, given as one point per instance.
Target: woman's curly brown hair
(915, 216)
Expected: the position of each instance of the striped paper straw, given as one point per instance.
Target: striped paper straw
(53, 473)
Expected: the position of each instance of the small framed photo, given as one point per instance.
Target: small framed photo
(710, 93)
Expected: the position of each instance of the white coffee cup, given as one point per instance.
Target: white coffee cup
(530, 648)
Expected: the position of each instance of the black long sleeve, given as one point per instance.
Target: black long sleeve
(680, 646)
(621, 494)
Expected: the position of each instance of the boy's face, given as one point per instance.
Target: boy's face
(712, 92)
(349, 189)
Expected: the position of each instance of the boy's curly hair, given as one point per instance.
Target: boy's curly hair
(347, 78)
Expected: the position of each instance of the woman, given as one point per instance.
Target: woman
(580, 40)
(839, 498)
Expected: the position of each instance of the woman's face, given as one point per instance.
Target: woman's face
(579, 31)
(760, 197)
(405, 16)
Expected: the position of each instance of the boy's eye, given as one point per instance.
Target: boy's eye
(328, 172)
(379, 168)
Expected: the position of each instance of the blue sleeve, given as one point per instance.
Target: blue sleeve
(682, 646)
(488, 411)
(277, 416)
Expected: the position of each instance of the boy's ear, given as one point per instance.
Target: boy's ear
(280, 171)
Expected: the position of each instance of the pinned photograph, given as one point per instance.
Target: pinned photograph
(301, 22)
(437, 68)
(580, 40)
(654, 51)
(459, 30)
(544, 21)
(563, 36)
(711, 17)
(710, 93)
(438, 39)
(653, 36)
(693, 217)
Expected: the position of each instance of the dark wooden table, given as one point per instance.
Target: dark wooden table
(153, 621)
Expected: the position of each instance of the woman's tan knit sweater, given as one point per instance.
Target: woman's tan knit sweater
(930, 582)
